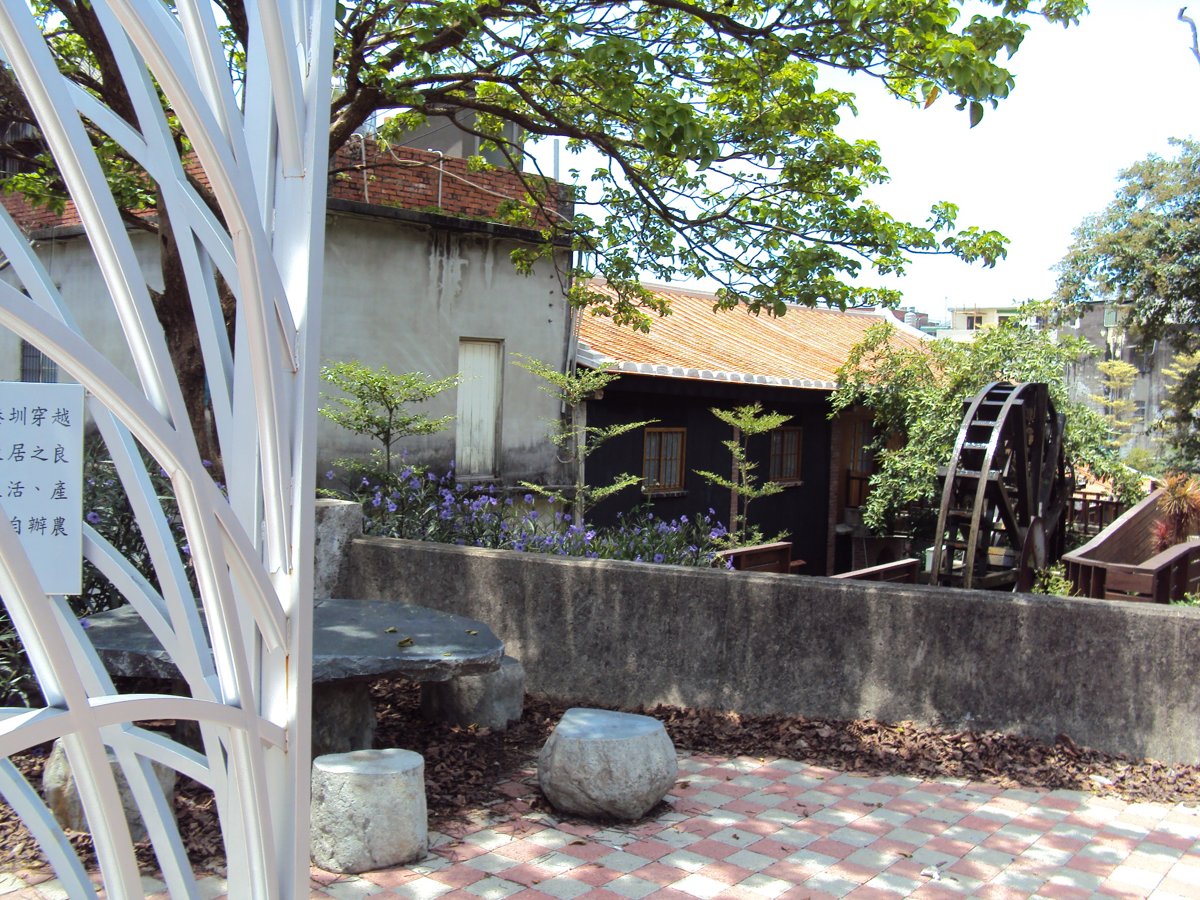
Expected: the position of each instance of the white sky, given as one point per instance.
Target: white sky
(1089, 101)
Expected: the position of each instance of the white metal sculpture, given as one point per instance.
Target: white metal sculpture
(242, 640)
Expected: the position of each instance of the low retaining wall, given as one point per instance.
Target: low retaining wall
(1116, 676)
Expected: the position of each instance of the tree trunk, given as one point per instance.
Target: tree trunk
(174, 308)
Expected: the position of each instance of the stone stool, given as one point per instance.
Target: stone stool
(606, 764)
(368, 810)
(62, 794)
(492, 700)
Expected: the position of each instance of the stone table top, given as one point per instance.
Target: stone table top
(352, 639)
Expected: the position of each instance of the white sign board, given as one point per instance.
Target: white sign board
(41, 477)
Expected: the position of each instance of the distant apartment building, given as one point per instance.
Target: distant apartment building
(967, 321)
(1103, 326)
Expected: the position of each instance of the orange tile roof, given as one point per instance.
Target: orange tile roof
(801, 349)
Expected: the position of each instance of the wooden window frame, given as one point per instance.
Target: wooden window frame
(780, 455)
(676, 486)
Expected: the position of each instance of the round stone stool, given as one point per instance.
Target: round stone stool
(62, 793)
(368, 810)
(607, 764)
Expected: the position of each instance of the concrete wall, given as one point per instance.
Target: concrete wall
(1117, 676)
(403, 295)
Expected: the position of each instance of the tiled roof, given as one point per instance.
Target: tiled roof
(802, 349)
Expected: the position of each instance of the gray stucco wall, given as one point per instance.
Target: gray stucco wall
(1117, 676)
(404, 295)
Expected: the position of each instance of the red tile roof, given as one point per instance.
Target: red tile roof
(801, 349)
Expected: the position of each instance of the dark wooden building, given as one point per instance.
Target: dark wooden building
(696, 359)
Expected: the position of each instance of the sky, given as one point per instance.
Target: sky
(1089, 101)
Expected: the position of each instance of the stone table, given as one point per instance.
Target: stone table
(353, 643)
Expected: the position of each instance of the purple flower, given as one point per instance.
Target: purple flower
(329, 475)
(529, 498)
(207, 463)
(93, 517)
(658, 557)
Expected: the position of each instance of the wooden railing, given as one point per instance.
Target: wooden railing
(776, 557)
(1120, 563)
(1162, 578)
(1089, 514)
(902, 571)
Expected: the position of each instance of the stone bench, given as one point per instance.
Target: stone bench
(491, 700)
(598, 763)
(368, 810)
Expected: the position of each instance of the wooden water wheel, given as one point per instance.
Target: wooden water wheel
(1004, 493)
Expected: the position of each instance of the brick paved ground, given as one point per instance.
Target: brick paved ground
(777, 828)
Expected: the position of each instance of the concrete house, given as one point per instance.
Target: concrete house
(418, 277)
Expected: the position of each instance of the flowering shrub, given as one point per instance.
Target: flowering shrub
(421, 505)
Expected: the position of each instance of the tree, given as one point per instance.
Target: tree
(744, 486)
(1114, 401)
(575, 439)
(916, 397)
(1142, 255)
(375, 403)
(1142, 252)
(718, 134)
(1180, 422)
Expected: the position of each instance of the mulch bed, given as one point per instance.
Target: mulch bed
(464, 765)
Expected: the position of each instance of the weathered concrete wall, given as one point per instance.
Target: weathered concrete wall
(402, 295)
(1121, 677)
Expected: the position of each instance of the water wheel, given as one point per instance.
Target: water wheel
(1004, 493)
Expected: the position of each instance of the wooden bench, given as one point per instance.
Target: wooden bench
(776, 557)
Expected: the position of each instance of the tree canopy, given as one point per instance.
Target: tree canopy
(1143, 250)
(716, 124)
(1142, 255)
(916, 397)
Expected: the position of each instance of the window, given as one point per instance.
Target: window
(861, 461)
(786, 444)
(662, 460)
(36, 366)
(478, 416)
(974, 322)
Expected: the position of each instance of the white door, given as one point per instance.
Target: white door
(478, 423)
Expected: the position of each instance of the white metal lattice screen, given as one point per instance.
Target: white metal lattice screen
(245, 208)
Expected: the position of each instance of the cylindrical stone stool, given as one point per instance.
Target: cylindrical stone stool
(608, 764)
(368, 810)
